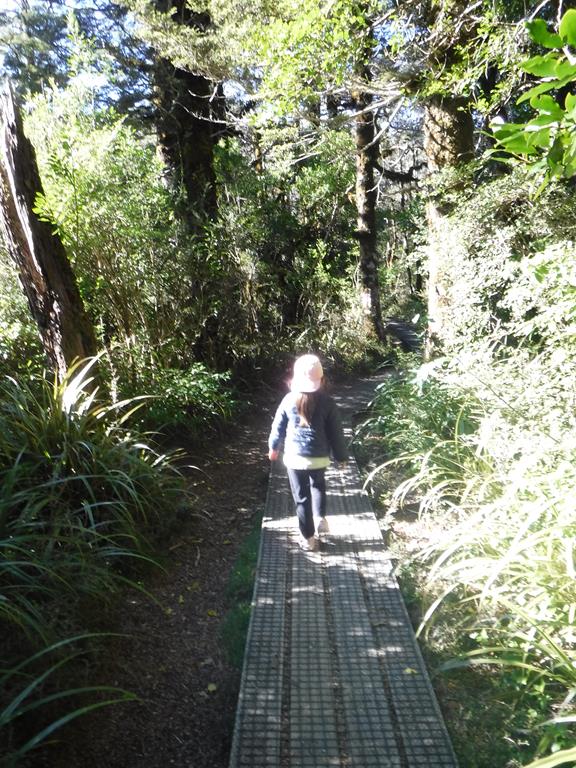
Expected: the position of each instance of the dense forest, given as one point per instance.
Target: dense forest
(191, 193)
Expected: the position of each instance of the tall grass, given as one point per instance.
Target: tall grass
(501, 483)
(82, 501)
(26, 684)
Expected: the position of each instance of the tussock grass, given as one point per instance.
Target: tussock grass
(83, 499)
(486, 440)
(502, 574)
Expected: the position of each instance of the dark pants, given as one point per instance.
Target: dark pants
(308, 488)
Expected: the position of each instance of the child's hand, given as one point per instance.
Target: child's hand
(273, 455)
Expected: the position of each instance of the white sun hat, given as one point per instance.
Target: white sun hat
(308, 374)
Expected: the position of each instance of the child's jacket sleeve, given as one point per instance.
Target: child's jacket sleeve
(324, 437)
(278, 429)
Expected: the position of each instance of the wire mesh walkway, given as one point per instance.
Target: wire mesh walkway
(332, 672)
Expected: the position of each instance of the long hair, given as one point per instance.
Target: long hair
(306, 405)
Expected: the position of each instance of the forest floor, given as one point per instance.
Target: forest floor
(171, 655)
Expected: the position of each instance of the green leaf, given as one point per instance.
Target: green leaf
(538, 31)
(556, 153)
(558, 758)
(543, 88)
(564, 69)
(542, 66)
(49, 730)
(547, 105)
(518, 144)
(567, 27)
(570, 104)
(542, 121)
(541, 272)
(538, 138)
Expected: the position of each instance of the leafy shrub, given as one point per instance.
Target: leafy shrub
(412, 410)
(546, 142)
(20, 347)
(103, 191)
(196, 398)
(284, 250)
(81, 498)
(24, 694)
(501, 486)
(68, 461)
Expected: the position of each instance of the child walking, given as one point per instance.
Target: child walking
(307, 423)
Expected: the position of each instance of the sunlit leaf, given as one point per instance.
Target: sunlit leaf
(548, 105)
(567, 28)
(542, 66)
(538, 31)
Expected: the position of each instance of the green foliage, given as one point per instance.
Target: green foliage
(287, 51)
(70, 464)
(287, 232)
(196, 398)
(547, 141)
(26, 683)
(219, 50)
(472, 51)
(20, 348)
(239, 593)
(282, 251)
(103, 192)
(487, 435)
(150, 289)
(307, 48)
(412, 411)
(492, 244)
(48, 44)
(31, 40)
(82, 499)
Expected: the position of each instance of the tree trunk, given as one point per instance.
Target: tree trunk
(448, 133)
(189, 122)
(45, 272)
(366, 159)
(448, 141)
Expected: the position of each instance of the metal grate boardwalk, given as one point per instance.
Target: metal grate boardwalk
(333, 676)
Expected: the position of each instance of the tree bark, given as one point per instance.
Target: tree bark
(366, 160)
(45, 272)
(448, 132)
(448, 141)
(189, 122)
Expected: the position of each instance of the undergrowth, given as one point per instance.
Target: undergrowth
(484, 439)
(239, 591)
(83, 500)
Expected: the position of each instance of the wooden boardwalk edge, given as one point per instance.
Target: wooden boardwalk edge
(332, 674)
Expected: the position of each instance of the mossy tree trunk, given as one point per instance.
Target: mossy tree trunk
(366, 193)
(448, 141)
(189, 122)
(367, 151)
(45, 272)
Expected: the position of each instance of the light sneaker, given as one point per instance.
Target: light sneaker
(309, 545)
(322, 526)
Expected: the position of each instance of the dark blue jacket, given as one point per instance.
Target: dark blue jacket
(324, 436)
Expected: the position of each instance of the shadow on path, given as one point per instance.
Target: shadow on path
(333, 675)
